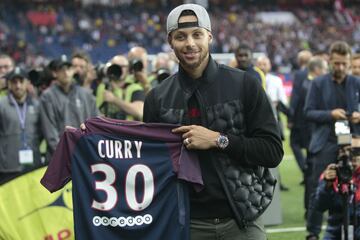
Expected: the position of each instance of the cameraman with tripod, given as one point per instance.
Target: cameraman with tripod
(339, 192)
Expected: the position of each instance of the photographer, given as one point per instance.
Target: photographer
(329, 195)
(137, 58)
(331, 97)
(162, 65)
(124, 100)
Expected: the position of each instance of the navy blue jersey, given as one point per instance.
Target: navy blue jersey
(128, 180)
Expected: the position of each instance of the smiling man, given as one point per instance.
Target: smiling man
(227, 119)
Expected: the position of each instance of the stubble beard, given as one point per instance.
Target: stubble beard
(338, 75)
(194, 65)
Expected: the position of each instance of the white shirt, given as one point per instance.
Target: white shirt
(275, 89)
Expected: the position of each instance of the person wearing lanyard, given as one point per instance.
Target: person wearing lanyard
(20, 131)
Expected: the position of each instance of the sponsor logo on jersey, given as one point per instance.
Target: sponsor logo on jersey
(122, 221)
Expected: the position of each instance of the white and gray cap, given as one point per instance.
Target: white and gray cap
(203, 19)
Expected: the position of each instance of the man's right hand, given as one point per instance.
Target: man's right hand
(330, 172)
(338, 114)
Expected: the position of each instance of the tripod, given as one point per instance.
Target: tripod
(347, 191)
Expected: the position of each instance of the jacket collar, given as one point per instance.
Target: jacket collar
(208, 76)
(28, 99)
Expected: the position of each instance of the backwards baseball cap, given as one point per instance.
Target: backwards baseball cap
(16, 73)
(203, 19)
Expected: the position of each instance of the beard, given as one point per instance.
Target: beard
(193, 64)
(18, 94)
(339, 75)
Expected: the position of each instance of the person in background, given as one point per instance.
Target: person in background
(331, 97)
(355, 65)
(162, 65)
(329, 195)
(20, 131)
(244, 58)
(276, 92)
(81, 64)
(6, 66)
(126, 100)
(296, 108)
(316, 67)
(226, 119)
(138, 68)
(64, 103)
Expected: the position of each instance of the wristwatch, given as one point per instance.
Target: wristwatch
(222, 141)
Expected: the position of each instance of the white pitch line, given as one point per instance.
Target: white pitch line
(291, 229)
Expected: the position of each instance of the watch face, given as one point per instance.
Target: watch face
(222, 142)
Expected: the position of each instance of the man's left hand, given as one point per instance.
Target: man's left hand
(355, 117)
(197, 137)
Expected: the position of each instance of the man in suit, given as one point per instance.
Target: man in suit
(296, 116)
(332, 97)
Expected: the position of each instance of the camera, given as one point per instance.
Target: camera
(136, 65)
(162, 74)
(41, 77)
(108, 71)
(344, 169)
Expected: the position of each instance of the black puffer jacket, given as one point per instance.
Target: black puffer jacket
(231, 102)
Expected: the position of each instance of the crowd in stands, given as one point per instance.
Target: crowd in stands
(44, 31)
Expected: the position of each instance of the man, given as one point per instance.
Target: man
(316, 67)
(355, 65)
(243, 56)
(126, 99)
(296, 109)
(329, 196)
(20, 132)
(162, 66)
(81, 64)
(331, 97)
(6, 66)
(64, 103)
(276, 92)
(138, 63)
(274, 85)
(227, 119)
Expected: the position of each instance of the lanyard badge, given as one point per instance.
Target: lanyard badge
(26, 155)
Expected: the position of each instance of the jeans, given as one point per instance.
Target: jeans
(225, 229)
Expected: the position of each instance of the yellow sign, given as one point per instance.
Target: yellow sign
(29, 211)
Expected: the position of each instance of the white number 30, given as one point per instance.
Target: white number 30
(130, 187)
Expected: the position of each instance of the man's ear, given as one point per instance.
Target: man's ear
(169, 40)
(210, 37)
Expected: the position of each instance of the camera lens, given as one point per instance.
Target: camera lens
(136, 65)
(114, 71)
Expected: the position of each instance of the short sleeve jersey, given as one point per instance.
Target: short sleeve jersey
(129, 180)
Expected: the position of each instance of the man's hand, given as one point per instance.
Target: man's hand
(197, 137)
(338, 114)
(330, 172)
(109, 96)
(141, 77)
(355, 117)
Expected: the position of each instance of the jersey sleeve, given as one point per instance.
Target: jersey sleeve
(58, 172)
(188, 168)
